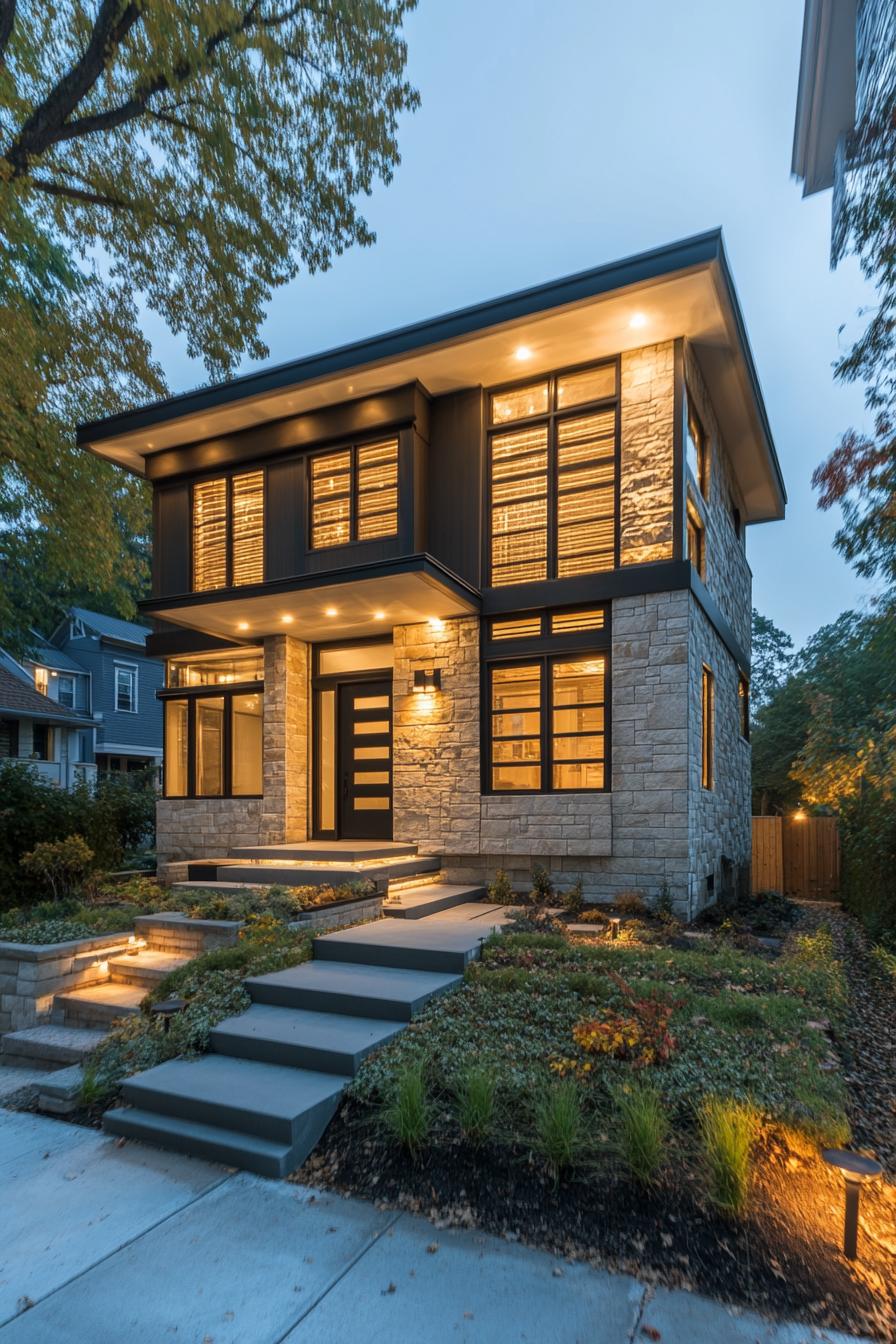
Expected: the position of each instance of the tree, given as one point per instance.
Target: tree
(772, 655)
(777, 738)
(190, 157)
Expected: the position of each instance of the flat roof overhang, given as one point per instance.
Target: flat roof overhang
(826, 90)
(413, 589)
(684, 289)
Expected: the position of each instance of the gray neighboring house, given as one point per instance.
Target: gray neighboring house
(38, 731)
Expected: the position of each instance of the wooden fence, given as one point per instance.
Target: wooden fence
(797, 857)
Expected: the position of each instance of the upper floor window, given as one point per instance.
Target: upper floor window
(696, 539)
(354, 494)
(743, 706)
(697, 449)
(228, 531)
(65, 691)
(221, 669)
(552, 478)
(126, 689)
(41, 680)
(708, 730)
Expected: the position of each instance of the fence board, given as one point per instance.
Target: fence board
(797, 857)
(768, 862)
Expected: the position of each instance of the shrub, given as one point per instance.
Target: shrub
(500, 891)
(560, 1125)
(813, 948)
(62, 864)
(631, 903)
(574, 900)
(640, 1033)
(664, 906)
(727, 1131)
(406, 1114)
(475, 1100)
(542, 886)
(642, 1129)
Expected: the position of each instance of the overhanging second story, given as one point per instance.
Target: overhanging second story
(598, 436)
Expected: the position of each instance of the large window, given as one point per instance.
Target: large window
(553, 476)
(354, 494)
(547, 702)
(708, 734)
(228, 531)
(214, 733)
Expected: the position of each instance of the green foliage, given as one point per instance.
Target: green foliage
(500, 890)
(542, 886)
(188, 158)
(664, 906)
(641, 1129)
(61, 864)
(777, 736)
(560, 1130)
(475, 1095)
(771, 656)
(406, 1114)
(574, 900)
(727, 1131)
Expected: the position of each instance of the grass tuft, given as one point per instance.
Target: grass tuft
(560, 1125)
(406, 1114)
(642, 1129)
(475, 1103)
(727, 1131)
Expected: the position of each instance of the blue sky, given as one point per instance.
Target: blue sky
(556, 137)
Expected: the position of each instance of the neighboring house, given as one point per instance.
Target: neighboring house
(848, 56)
(38, 731)
(479, 584)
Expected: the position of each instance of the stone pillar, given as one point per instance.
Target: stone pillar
(286, 754)
(647, 413)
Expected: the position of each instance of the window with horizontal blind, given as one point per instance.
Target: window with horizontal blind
(354, 494)
(553, 464)
(228, 531)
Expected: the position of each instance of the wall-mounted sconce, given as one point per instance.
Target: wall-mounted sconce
(428, 679)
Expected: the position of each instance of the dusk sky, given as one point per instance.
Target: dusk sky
(558, 137)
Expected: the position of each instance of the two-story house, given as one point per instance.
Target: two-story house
(51, 738)
(479, 584)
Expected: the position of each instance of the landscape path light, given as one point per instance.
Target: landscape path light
(856, 1169)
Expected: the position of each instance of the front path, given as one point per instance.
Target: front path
(106, 1243)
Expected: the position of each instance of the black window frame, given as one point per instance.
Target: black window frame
(551, 418)
(228, 478)
(192, 695)
(743, 706)
(353, 449)
(708, 729)
(545, 649)
(702, 450)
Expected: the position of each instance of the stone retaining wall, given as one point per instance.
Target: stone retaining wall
(32, 973)
(179, 936)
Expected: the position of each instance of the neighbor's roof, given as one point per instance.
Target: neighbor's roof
(682, 289)
(112, 627)
(24, 702)
(46, 654)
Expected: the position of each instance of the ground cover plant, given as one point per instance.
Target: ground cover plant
(649, 1106)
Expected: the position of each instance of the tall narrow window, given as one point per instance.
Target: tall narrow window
(577, 726)
(708, 733)
(176, 750)
(696, 541)
(41, 680)
(697, 449)
(246, 744)
(553, 482)
(210, 747)
(743, 706)
(126, 690)
(354, 494)
(516, 728)
(228, 531)
(65, 691)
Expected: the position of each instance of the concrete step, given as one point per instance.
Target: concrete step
(420, 945)
(215, 1144)
(328, 851)
(97, 1005)
(302, 1038)
(429, 899)
(48, 1047)
(282, 1105)
(147, 968)
(59, 1093)
(299, 874)
(351, 989)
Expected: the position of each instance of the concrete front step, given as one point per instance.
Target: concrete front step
(305, 874)
(302, 1038)
(268, 1100)
(351, 989)
(97, 1005)
(49, 1047)
(232, 1147)
(421, 945)
(328, 851)
(147, 968)
(429, 899)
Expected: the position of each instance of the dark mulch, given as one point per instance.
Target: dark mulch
(782, 1259)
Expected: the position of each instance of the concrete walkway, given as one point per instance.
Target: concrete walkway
(105, 1244)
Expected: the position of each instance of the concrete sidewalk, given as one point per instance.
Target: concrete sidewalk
(105, 1244)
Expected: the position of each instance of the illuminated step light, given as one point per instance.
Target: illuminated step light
(856, 1169)
(428, 679)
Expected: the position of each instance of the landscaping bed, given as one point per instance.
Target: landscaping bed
(502, 1107)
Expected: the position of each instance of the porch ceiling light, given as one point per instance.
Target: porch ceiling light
(331, 611)
(287, 620)
(242, 625)
(856, 1170)
(428, 679)
(638, 320)
(379, 615)
(522, 353)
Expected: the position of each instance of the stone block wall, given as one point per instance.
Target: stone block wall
(647, 411)
(199, 828)
(31, 974)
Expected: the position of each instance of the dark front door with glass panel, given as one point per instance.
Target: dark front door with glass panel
(365, 760)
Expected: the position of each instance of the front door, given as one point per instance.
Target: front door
(365, 760)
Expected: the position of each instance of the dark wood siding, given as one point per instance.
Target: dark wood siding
(454, 483)
(171, 543)
(284, 524)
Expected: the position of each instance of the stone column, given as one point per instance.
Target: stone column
(286, 728)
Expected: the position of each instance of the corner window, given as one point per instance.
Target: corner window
(228, 531)
(552, 477)
(696, 539)
(354, 494)
(708, 729)
(214, 742)
(126, 690)
(41, 680)
(219, 669)
(547, 711)
(743, 707)
(65, 691)
(697, 448)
